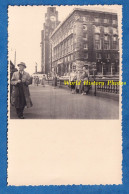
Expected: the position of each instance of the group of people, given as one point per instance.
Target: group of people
(20, 80)
(37, 81)
(79, 77)
(41, 81)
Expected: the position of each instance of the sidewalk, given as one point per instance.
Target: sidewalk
(50, 103)
(108, 95)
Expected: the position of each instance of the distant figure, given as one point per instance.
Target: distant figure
(55, 81)
(43, 81)
(78, 85)
(72, 80)
(37, 80)
(84, 77)
(20, 93)
(34, 81)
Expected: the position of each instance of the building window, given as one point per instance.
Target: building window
(115, 31)
(85, 36)
(97, 45)
(115, 45)
(98, 56)
(106, 20)
(84, 19)
(58, 54)
(84, 27)
(96, 19)
(107, 56)
(99, 68)
(77, 17)
(116, 56)
(114, 38)
(85, 46)
(69, 58)
(71, 31)
(106, 45)
(114, 21)
(106, 38)
(86, 55)
(97, 29)
(106, 30)
(97, 37)
(66, 59)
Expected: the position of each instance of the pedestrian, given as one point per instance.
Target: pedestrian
(37, 80)
(72, 80)
(55, 81)
(34, 82)
(78, 83)
(43, 81)
(20, 93)
(84, 77)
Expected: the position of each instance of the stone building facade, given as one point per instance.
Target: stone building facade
(86, 38)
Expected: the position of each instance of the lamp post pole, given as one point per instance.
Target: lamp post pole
(94, 69)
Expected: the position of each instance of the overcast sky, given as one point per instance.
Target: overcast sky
(24, 31)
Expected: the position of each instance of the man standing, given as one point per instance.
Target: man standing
(20, 93)
(84, 77)
(72, 79)
(37, 80)
(43, 81)
(55, 80)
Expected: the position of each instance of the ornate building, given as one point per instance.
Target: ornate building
(87, 38)
(51, 22)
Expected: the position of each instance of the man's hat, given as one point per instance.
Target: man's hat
(23, 64)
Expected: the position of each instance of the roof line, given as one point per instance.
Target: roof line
(79, 9)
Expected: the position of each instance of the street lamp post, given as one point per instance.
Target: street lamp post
(94, 70)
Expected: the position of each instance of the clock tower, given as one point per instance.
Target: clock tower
(51, 22)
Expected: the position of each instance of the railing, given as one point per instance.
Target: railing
(109, 85)
(106, 85)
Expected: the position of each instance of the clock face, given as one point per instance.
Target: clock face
(53, 18)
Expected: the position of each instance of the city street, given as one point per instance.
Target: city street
(59, 103)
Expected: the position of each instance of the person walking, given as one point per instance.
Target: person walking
(37, 80)
(72, 80)
(78, 82)
(55, 81)
(43, 81)
(84, 77)
(20, 92)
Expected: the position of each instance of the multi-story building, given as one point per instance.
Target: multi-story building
(51, 22)
(86, 38)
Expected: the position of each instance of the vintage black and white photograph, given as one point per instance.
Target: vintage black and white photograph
(64, 62)
(64, 95)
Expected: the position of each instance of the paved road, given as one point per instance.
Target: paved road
(50, 103)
